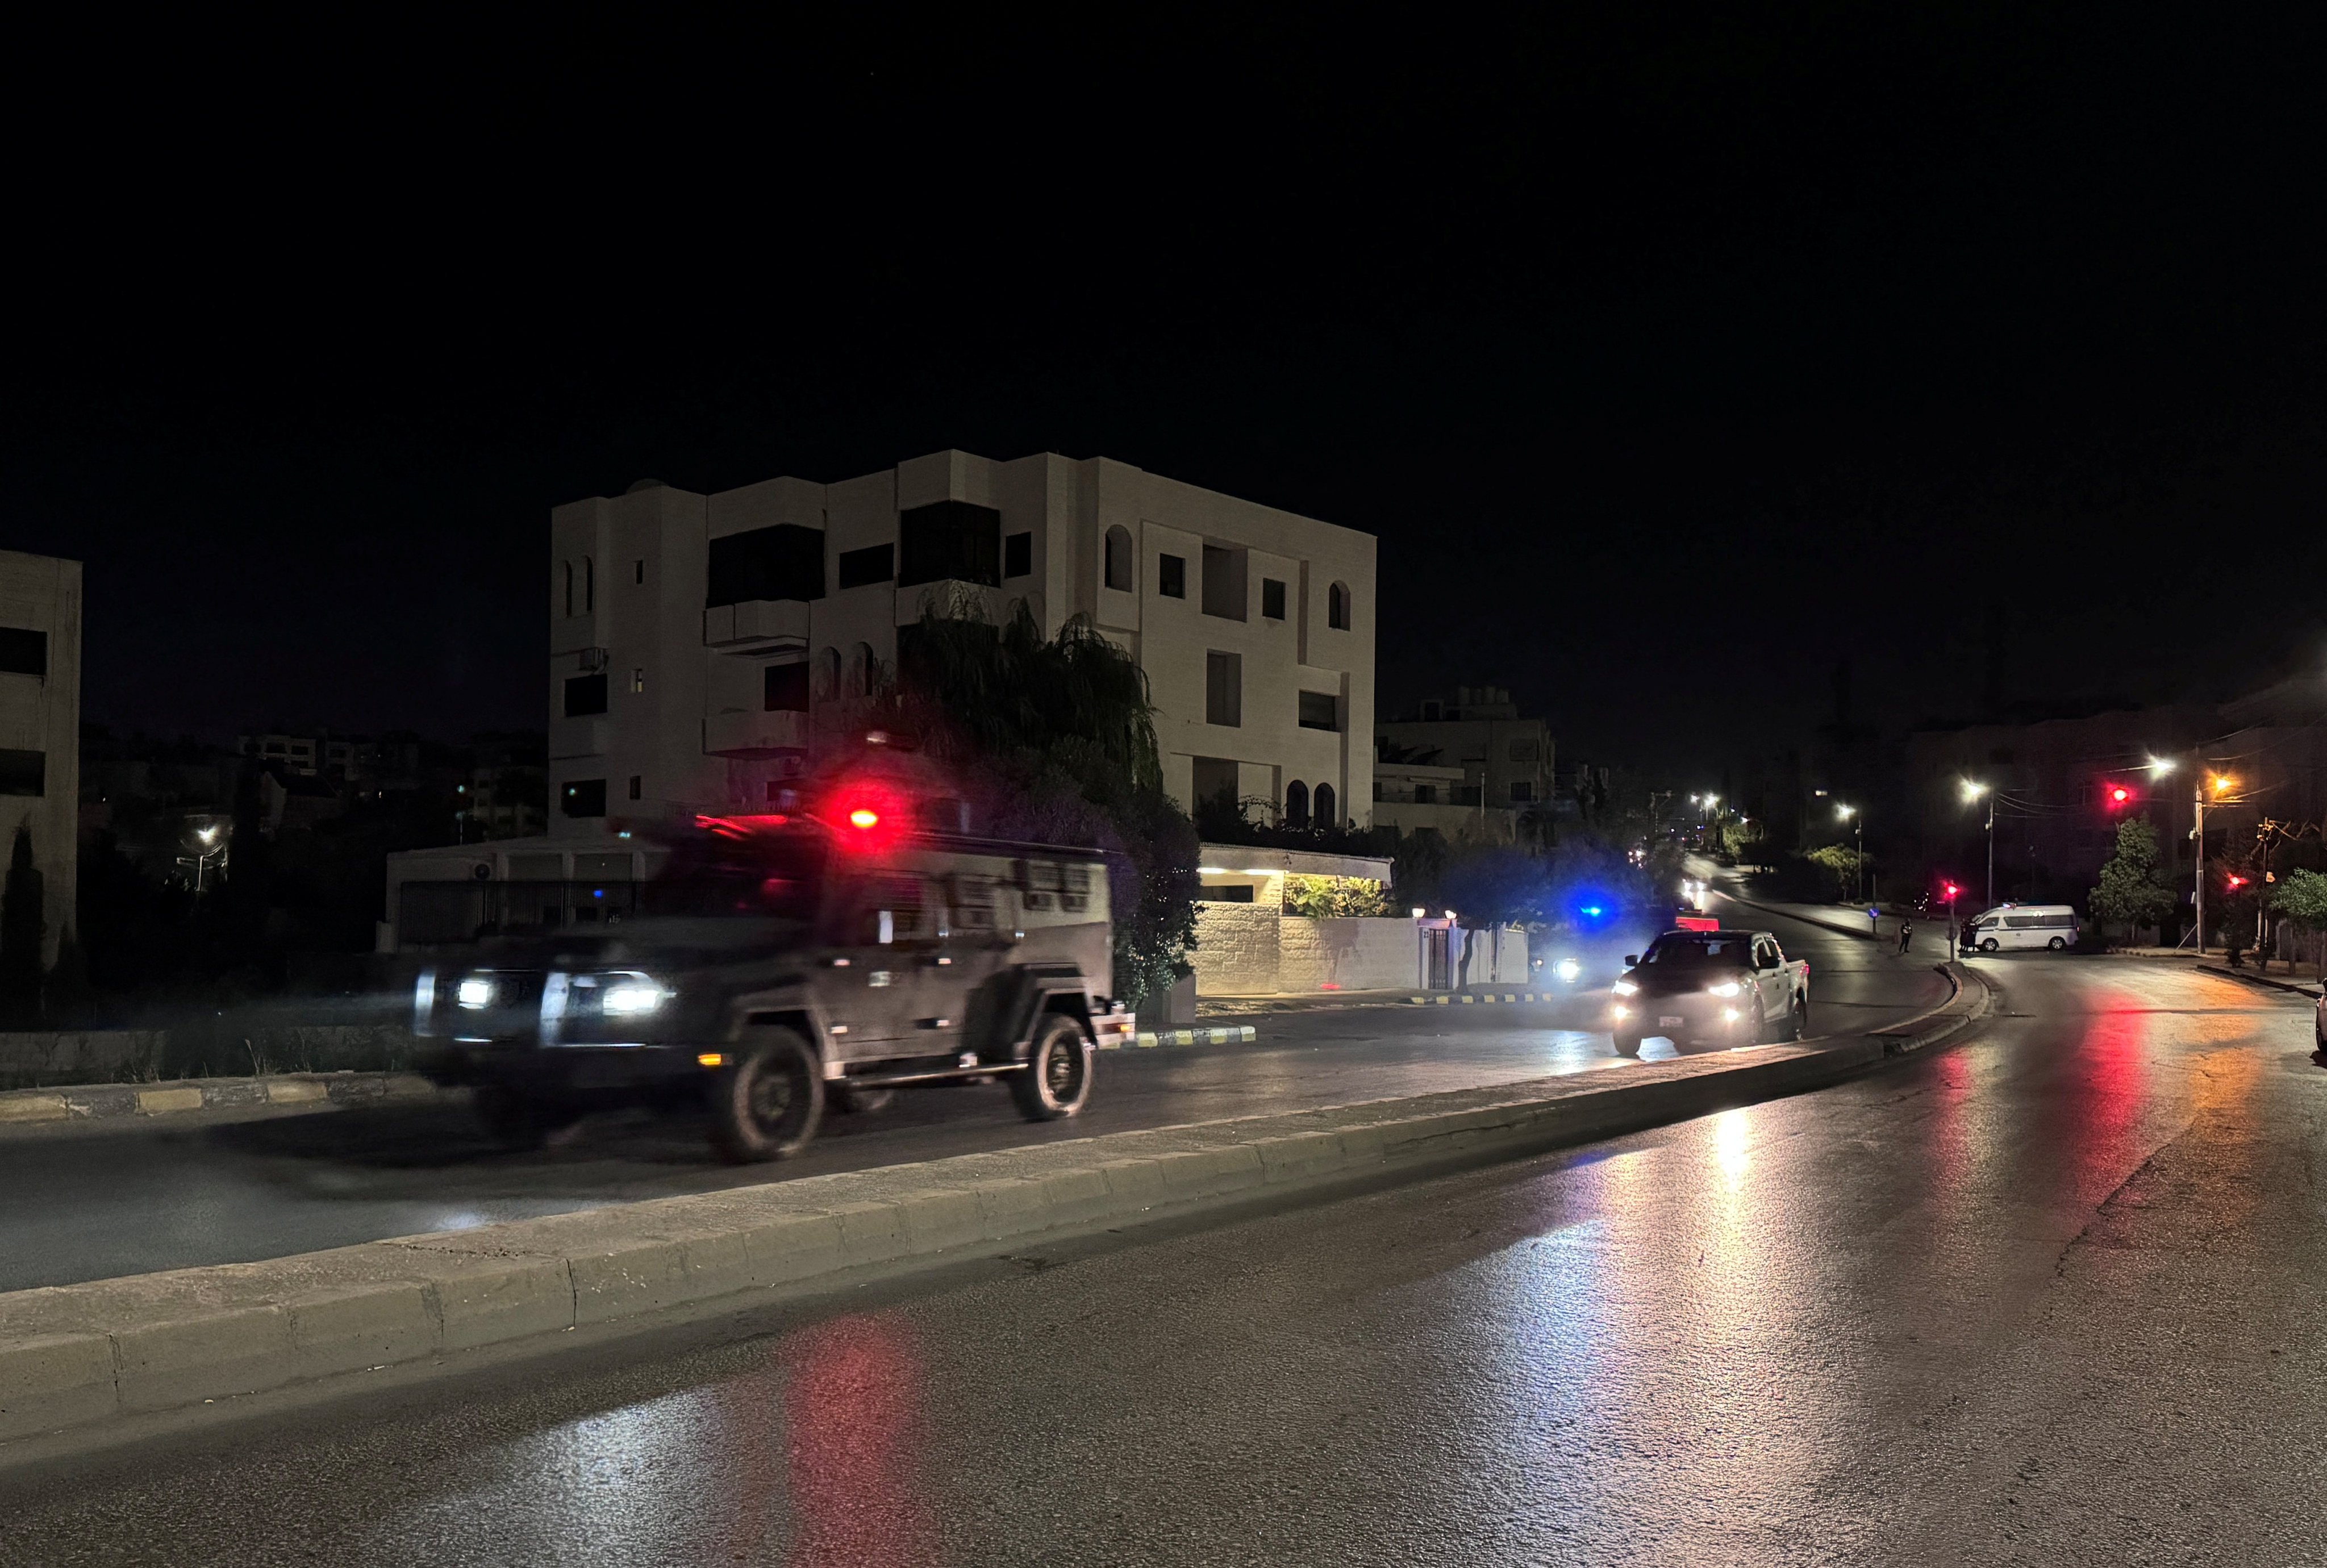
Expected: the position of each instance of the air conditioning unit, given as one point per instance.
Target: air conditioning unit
(593, 660)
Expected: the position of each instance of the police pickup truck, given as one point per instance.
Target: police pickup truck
(781, 965)
(1719, 987)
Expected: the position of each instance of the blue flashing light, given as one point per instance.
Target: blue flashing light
(1592, 909)
(597, 892)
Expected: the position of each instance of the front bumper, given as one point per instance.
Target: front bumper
(1683, 1018)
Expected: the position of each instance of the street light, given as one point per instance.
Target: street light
(1972, 792)
(2221, 784)
(1850, 814)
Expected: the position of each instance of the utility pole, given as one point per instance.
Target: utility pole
(2200, 834)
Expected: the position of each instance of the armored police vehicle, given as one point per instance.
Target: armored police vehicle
(782, 966)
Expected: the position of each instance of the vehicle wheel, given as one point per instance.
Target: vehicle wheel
(768, 1105)
(857, 1102)
(1798, 1028)
(1989, 944)
(1627, 1045)
(510, 1119)
(1058, 1077)
(2056, 944)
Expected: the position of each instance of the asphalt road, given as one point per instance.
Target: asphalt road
(105, 1199)
(2053, 1295)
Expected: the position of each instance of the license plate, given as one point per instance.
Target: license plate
(1672, 1020)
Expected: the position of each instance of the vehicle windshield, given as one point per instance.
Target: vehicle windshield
(1701, 952)
(777, 877)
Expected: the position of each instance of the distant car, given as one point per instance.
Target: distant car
(1730, 987)
(2010, 925)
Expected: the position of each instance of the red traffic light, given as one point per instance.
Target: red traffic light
(2117, 796)
(1952, 891)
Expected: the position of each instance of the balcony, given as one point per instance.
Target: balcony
(764, 623)
(749, 736)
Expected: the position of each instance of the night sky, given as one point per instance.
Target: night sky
(1671, 361)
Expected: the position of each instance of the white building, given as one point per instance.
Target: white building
(40, 727)
(700, 643)
(699, 646)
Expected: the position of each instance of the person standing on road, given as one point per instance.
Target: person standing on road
(1906, 934)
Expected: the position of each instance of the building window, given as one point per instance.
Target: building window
(1296, 805)
(1526, 751)
(1018, 556)
(1214, 779)
(783, 688)
(863, 671)
(873, 563)
(589, 586)
(584, 797)
(1224, 582)
(1430, 713)
(1325, 808)
(1223, 688)
(782, 562)
(584, 694)
(1118, 558)
(1226, 894)
(1272, 599)
(1172, 576)
(1426, 794)
(638, 681)
(1337, 607)
(23, 651)
(568, 569)
(1319, 711)
(825, 679)
(639, 573)
(1522, 791)
(949, 541)
(638, 786)
(23, 773)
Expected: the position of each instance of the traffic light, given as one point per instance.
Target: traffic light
(2236, 882)
(2117, 797)
(1951, 892)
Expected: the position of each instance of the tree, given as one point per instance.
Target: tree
(1053, 740)
(2302, 897)
(2131, 891)
(22, 928)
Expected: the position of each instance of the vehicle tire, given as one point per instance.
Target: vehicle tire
(1798, 1026)
(2057, 945)
(848, 1101)
(1058, 1078)
(1989, 944)
(1627, 1045)
(509, 1118)
(768, 1105)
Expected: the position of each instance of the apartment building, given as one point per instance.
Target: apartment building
(40, 727)
(702, 644)
(1506, 766)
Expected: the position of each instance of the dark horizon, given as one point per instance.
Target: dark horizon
(1670, 370)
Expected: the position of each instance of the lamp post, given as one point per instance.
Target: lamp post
(2220, 786)
(1972, 792)
(206, 847)
(1851, 814)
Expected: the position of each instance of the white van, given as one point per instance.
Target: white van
(2053, 925)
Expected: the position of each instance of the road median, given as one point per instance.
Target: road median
(75, 1354)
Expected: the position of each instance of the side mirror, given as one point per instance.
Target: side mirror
(1631, 960)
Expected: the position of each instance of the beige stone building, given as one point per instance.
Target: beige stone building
(699, 643)
(40, 726)
(1502, 767)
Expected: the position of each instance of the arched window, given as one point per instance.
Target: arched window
(825, 681)
(860, 669)
(568, 568)
(1337, 607)
(1325, 818)
(1118, 558)
(589, 586)
(1296, 805)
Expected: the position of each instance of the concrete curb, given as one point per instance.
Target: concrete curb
(1443, 998)
(73, 1355)
(1790, 915)
(2302, 990)
(1216, 1034)
(89, 1102)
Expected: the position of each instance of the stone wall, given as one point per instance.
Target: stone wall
(1236, 949)
(1348, 954)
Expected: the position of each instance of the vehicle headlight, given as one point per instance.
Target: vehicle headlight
(1567, 969)
(1726, 988)
(476, 992)
(632, 998)
(1625, 988)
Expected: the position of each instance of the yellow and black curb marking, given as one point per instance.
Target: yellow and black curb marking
(1466, 997)
(1232, 1034)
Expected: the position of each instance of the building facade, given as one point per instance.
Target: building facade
(40, 727)
(1507, 764)
(701, 645)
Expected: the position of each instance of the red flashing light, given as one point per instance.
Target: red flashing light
(2237, 882)
(2119, 795)
(1952, 891)
(864, 818)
